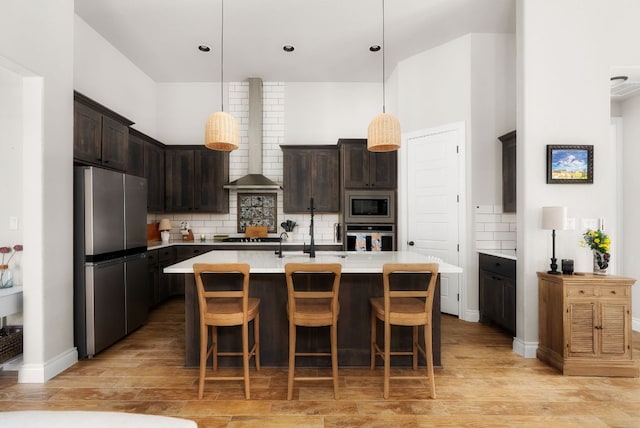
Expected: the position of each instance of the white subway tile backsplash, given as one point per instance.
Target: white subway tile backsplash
(487, 218)
(495, 230)
(496, 227)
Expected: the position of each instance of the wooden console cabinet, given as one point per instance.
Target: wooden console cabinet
(585, 324)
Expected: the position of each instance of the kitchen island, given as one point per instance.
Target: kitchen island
(361, 279)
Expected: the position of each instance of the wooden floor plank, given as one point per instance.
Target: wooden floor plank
(482, 383)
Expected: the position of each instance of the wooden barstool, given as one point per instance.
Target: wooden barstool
(405, 307)
(226, 306)
(313, 309)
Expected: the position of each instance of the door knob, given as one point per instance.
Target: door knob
(411, 243)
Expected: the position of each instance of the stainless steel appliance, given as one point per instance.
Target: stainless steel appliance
(369, 206)
(370, 237)
(110, 266)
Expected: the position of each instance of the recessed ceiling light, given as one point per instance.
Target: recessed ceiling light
(288, 48)
(204, 48)
(374, 48)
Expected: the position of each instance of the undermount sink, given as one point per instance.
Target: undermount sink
(340, 254)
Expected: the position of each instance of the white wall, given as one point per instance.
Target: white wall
(105, 75)
(630, 113)
(471, 80)
(47, 137)
(322, 112)
(11, 158)
(555, 42)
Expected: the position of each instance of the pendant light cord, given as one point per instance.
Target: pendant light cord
(384, 100)
(222, 57)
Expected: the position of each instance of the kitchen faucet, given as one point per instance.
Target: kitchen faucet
(279, 251)
(312, 245)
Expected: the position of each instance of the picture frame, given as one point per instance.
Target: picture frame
(569, 164)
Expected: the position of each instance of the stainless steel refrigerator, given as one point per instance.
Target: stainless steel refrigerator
(110, 266)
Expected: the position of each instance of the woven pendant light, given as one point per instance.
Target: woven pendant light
(221, 132)
(384, 133)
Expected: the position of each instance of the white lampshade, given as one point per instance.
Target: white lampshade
(221, 132)
(384, 133)
(554, 218)
(165, 224)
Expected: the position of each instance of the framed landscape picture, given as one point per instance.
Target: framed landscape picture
(570, 164)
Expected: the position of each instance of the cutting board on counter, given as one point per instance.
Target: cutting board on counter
(255, 231)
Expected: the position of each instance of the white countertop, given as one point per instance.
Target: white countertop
(268, 262)
(505, 254)
(154, 245)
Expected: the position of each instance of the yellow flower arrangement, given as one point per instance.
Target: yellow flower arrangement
(600, 243)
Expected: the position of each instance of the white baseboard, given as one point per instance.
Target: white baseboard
(525, 349)
(635, 323)
(471, 315)
(40, 373)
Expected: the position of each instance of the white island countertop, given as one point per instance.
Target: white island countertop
(351, 261)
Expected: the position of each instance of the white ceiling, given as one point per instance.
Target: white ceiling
(331, 37)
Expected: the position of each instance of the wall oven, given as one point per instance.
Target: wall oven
(369, 206)
(370, 237)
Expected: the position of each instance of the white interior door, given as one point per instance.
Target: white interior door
(433, 203)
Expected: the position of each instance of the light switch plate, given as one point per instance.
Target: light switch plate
(571, 223)
(589, 223)
(13, 223)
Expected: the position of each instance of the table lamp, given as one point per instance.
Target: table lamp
(554, 218)
(164, 227)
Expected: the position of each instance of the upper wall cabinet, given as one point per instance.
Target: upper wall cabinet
(146, 159)
(311, 171)
(363, 169)
(195, 179)
(508, 172)
(100, 136)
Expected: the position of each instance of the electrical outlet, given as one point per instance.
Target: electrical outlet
(13, 223)
(571, 224)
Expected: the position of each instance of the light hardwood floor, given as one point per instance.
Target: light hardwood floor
(482, 383)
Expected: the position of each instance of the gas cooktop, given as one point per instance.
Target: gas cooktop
(251, 240)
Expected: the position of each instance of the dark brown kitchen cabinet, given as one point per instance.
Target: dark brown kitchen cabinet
(497, 280)
(154, 173)
(363, 169)
(195, 179)
(100, 135)
(135, 161)
(146, 159)
(508, 172)
(311, 171)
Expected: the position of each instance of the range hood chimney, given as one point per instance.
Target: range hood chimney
(254, 180)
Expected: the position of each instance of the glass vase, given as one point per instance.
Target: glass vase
(600, 263)
(6, 277)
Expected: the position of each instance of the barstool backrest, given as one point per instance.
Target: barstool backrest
(222, 291)
(427, 292)
(313, 268)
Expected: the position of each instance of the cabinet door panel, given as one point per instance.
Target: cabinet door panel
(179, 182)
(135, 159)
(115, 144)
(356, 166)
(154, 173)
(211, 174)
(581, 323)
(614, 339)
(296, 180)
(325, 186)
(383, 170)
(87, 134)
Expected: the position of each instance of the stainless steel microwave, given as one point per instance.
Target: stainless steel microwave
(370, 206)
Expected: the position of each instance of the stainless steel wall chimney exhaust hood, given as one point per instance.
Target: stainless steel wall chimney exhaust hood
(254, 180)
